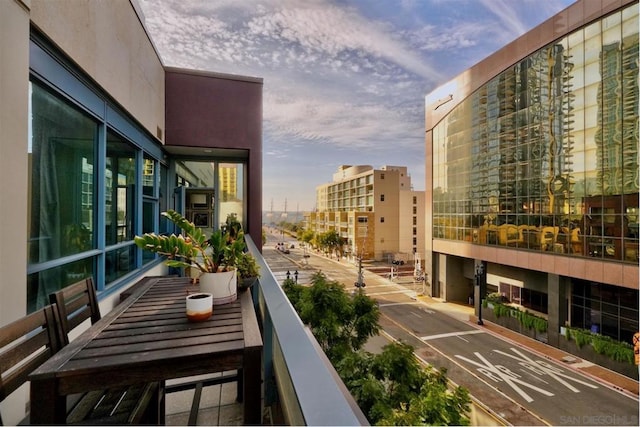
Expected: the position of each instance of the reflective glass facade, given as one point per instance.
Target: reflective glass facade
(544, 156)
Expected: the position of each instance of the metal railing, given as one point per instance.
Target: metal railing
(297, 374)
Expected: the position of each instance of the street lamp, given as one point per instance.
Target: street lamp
(479, 283)
(360, 282)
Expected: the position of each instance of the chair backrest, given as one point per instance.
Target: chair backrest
(76, 303)
(25, 344)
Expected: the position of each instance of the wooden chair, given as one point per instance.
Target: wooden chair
(128, 405)
(24, 345)
(75, 304)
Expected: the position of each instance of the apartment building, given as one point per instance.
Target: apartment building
(375, 211)
(534, 158)
(98, 137)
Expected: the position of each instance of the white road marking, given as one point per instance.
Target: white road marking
(536, 368)
(391, 292)
(500, 373)
(389, 304)
(543, 368)
(451, 334)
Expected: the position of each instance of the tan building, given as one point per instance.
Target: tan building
(375, 211)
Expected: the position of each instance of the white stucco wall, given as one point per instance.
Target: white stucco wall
(108, 41)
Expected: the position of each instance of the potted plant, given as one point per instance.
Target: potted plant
(248, 271)
(214, 256)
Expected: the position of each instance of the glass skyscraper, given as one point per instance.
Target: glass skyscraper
(542, 158)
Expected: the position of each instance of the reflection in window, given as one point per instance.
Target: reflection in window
(229, 185)
(40, 284)
(120, 192)
(544, 156)
(119, 262)
(609, 310)
(231, 189)
(61, 188)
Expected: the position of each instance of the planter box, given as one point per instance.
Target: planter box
(513, 324)
(587, 352)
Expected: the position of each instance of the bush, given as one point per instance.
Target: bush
(501, 310)
(526, 319)
(602, 344)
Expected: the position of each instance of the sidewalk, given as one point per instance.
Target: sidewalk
(600, 374)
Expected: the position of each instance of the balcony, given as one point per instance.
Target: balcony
(300, 386)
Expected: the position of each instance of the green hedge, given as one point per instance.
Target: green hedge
(602, 344)
(526, 319)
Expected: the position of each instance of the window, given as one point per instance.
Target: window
(382, 197)
(590, 97)
(381, 176)
(415, 200)
(231, 189)
(227, 182)
(62, 183)
(381, 219)
(93, 183)
(362, 219)
(415, 210)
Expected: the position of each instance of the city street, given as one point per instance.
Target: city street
(518, 386)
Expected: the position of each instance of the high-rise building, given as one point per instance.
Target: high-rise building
(534, 158)
(375, 211)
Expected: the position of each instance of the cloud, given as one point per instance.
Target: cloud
(344, 80)
(309, 34)
(507, 15)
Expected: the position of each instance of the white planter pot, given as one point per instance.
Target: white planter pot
(199, 307)
(223, 286)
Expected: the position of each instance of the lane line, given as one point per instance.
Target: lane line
(391, 292)
(389, 304)
(451, 334)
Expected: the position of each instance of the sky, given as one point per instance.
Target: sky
(344, 80)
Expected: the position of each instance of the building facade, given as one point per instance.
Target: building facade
(98, 137)
(375, 211)
(533, 155)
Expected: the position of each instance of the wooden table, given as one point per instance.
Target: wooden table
(147, 338)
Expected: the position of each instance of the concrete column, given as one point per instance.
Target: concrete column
(557, 307)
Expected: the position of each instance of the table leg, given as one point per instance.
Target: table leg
(252, 386)
(47, 407)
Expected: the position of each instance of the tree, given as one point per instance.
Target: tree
(330, 241)
(306, 236)
(435, 404)
(340, 322)
(391, 388)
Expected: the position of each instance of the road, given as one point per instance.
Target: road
(518, 386)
